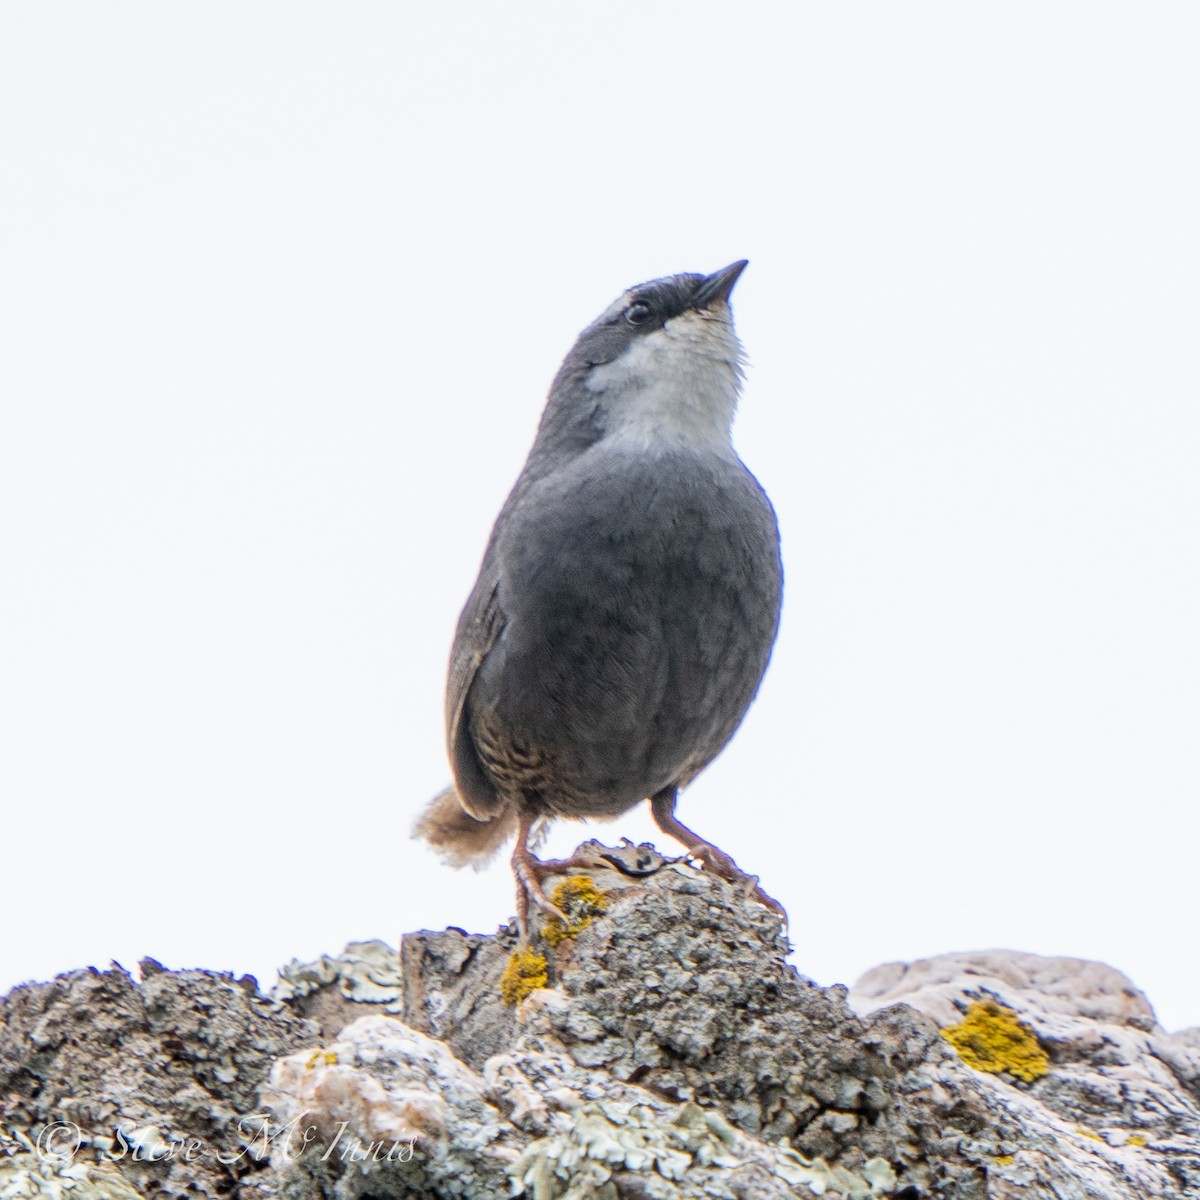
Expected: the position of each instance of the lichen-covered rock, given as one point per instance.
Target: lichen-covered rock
(28, 1171)
(107, 1084)
(677, 997)
(452, 992)
(1116, 1091)
(673, 1054)
(394, 1114)
(359, 1107)
(332, 990)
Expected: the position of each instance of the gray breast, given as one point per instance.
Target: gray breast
(641, 599)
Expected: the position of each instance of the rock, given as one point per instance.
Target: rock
(1072, 987)
(404, 1117)
(674, 1054)
(125, 1088)
(1120, 1091)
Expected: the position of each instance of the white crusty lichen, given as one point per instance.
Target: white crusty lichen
(367, 972)
(600, 1139)
(28, 1172)
(678, 1155)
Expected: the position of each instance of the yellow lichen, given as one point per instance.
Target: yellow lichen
(1089, 1133)
(991, 1038)
(1136, 1139)
(581, 900)
(1003, 1160)
(525, 973)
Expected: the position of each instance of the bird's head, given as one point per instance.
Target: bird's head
(660, 368)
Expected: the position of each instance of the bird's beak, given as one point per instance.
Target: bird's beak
(718, 285)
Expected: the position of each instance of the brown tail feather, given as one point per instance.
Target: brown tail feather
(457, 836)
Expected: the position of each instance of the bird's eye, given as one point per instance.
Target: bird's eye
(638, 313)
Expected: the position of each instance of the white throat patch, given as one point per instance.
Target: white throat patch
(675, 387)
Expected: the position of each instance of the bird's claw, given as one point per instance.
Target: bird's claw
(531, 870)
(721, 865)
(755, 892)
(529, 888)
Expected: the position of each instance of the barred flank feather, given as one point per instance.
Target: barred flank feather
(458, 836)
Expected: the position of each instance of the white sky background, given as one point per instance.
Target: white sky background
(282, 287)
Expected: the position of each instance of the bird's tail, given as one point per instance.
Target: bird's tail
(457, 836)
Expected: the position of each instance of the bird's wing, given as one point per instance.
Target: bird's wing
(479, 628)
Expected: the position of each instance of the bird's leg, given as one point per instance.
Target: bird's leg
(531, 870)
(528, 869)
(662, 806)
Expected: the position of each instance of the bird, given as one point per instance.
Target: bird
(628, 599)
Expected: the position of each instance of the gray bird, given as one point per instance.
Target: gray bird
(628, 598)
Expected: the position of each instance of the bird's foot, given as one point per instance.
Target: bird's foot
(531, 870)
(662, 806)
(721, 865)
